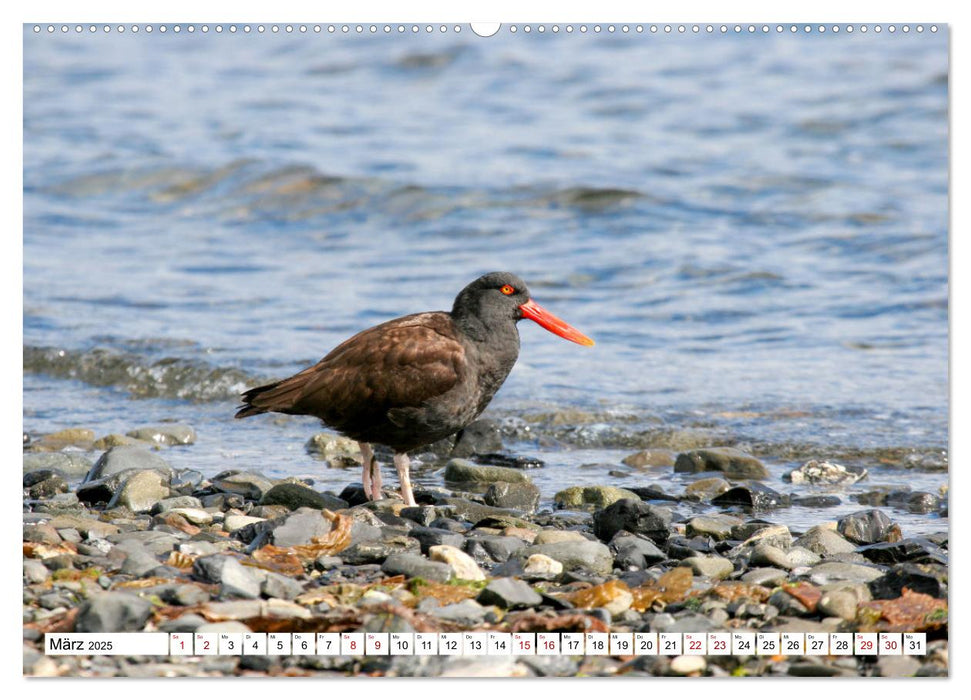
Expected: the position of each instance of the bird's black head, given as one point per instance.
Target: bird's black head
(499, 300)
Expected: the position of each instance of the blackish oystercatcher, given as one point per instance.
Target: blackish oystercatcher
(417, 379)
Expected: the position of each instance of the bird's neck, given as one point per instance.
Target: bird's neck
(487, 330)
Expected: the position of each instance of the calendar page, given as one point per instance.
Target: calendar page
(510, 350)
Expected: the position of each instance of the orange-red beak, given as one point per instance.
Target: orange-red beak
(535, 312)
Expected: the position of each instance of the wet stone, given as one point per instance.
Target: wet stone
(634, 516)
(649, 458)
(470, 511)
(868, 527)
(912, 576)
(718, 527)
(816, 501)
(912, 549)
(509, 594)
(294, 496)
(338, 450)
(915, 502)
(524, 496)
(124, 457)
(824, 542)
(249, 485)
(71, 466)
(165, 434)
(590, 497)
(751, 495)
(706, 489)
(734, 463)
(632, 551)
(463, 471)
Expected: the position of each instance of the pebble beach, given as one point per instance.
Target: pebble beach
(116, 540)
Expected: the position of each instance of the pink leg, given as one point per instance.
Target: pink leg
(376, 479)
(368, 456)
(401, 463)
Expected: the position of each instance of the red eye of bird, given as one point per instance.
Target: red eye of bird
(507, 289)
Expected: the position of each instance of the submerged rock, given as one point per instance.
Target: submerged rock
(165, 434)
(338, 450)
(463, 471)
(734, 463)
(751, 495)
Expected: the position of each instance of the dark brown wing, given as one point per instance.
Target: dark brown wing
(395, 365)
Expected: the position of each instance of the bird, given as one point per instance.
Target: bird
(417, 379)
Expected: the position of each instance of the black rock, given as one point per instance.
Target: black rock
(423, 515)
(683, 547)
(914, 501)
(353, 495)
(497, 459)
(510, 594)
(868, 527)
(652, 493)
(430, 537)
(631, 551)
(913, 549)
(752, 495)
(295, 496)
(917, 578)
(815, 501)
(633, 516)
